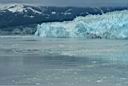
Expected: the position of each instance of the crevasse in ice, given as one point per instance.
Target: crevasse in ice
(112, 25)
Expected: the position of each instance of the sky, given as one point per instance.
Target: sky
(83, 3)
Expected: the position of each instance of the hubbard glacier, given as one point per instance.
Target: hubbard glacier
(112, 25)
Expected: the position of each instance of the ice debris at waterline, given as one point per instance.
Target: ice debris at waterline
(112, 25)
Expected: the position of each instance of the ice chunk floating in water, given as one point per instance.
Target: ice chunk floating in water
(113, 25)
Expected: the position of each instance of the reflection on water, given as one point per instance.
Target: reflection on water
(63, 63)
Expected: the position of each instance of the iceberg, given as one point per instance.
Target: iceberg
(112, 25)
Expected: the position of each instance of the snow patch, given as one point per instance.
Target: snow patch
(17, 8)
(12, 7)
(53, 13)
(35, 11)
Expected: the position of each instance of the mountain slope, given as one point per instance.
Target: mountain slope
(17, 14)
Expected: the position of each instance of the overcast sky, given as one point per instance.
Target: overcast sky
(71, 2)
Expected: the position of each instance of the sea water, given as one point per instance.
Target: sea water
(30, 60)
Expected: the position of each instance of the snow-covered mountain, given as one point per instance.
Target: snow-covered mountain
(18, 14)
(17, 17)
(15, 8)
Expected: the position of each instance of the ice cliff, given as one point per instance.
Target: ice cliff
(112, 25)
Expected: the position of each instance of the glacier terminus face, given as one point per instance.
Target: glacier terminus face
(112, 25)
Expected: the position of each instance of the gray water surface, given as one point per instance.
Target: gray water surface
(27, 60)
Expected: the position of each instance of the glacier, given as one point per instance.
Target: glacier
(112, 25)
